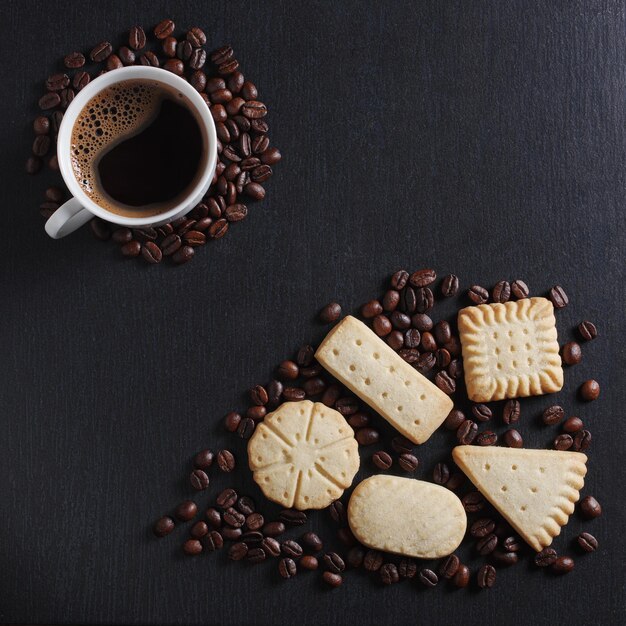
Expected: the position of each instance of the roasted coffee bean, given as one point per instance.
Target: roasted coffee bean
(149, 59)
(253, 109)
(389, 574)
(54, 194)
(258, 395)
(225, 461)
(511, 544)
(254, 521)
(100, 52)
(333, 562)
(81, 80)
(563, 442)
(511, 412)
(131, 249)
(270, 156)
(449, 566)
(192, 547)
(164, 526)
(256, 413)
(486, 577)
(288, 370)
(441, 474)
(218, 229)
(137, 38)
(412, 338)
(582, 440)
(67, 95)
(274, 392)
(232, 421)
(186, 510)
(442, 332)
(227, 498)
(590, 390)
(519, 289)
(312, 541)
(330, 396)
(355, 557)
(233, 107)
(334, 580)
(367, 436)
(449, 286)
(486, 438)
(222, 55)
(151, 252)
(287, 568)
(53, 163)
(454, 420)
(587, 330)
(462, 577)
(371, 309)
(41, 125)
(478, 294)
(572, 354)
(164, 29)
(274, 529)
(199, 480)
(177, 67)
(198, 80)
(487, 544)
(126, 55)
(113, 62)
(165, 230)
(501, 557)
(314, 386)
(234, 518)
(49, 100)
(424, 300)
(558, 297)
(252, 536)
(292, 517)
(573, 425)
(373, 560)
(408, 462)
(445, 383)
(399, 320)
(563, 565)
(144, 234)
(55, 120)
(473, 502)
(57, 82)
(410, 355)
(546, 557)
(501, 292)
(337, 512)
(122, 235)
(199, 530)
(292, 548)
(194, 238)
(330, 313)
(482, 527)
(250, 163)
(348, 405)
(249, 91)
(261, 173)
(553, 415)
(428, 578)
(197, 59)
(41, 145)
(74, 60)
(402, 445)
(382, 460)
(423, 278)
(238, 551)
(590, 507)
(587, 542)
(256, 555)
(235, 83)
(46, 209)
(481, 412)
(170, 244)
(293, 394)
(513, 439)
(231, 534)
(358, 420)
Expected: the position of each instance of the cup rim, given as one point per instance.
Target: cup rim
(161, 75)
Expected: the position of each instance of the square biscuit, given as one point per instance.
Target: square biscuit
(372, 370)
(510, 350)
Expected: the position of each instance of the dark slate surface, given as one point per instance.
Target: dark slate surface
(483, 138)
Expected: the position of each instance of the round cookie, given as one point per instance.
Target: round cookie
(303, 455)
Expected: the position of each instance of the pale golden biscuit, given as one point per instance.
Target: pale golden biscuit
(510, 350)
(535, 490)
(303, 455)
(385, 381)
(406, 516)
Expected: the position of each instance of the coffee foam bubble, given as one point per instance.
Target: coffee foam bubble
(113, 115)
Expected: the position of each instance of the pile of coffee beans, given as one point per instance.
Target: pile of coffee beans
(404, 317)
(245, 156)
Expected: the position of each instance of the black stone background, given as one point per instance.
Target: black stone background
(482, 138)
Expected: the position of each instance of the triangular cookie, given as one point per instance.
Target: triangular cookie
(535, 490)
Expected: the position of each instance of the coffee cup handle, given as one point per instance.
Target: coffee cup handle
(67, 218)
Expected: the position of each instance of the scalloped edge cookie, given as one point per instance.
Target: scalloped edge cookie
(510, 350)
(535, 490)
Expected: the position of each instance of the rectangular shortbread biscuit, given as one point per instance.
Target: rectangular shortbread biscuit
(510, 350)
(385, 381)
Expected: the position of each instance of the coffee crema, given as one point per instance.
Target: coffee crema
(137, 148)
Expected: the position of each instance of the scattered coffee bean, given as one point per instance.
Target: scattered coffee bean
(563, 565)
(428, 578)
(450, 286)
(481, 412)
(462, 577)
(478, 295)
(504, 558)
(519, 289)
(587, 330)
(312, 541)
(287, 568)
(330, 313)
(308, 562)
(454, 420)
(334, 563)
(367, 436)
(455, 481)
(482, 527)
(238, 551)
(486, 438)
(408, 462)
(587, 542)
(291, 548)
(563, 442)
(501, 292)
(199, 530)
(511, 412)
(449, 566)
(192, 547)
(445, 382)
(558, 297)
(572, 354)
(292, 517)
(355, 556)
(373, 560)
(473, 502)
(402, 445)
(467, 431)
(513, 439)
(546, 557)
(441, 474)
(382, 460)
(270, 546)
(137, 38)
(199, 480)
(486, 577)
(382, 326)
(590, 507)
(186, 510)
(487, 544)
(227, 498)
(407, 568)
(423, 278)
(256, 555)
(389, 574)
(334, 580)
(225, 461)
(232, 421)
(372, 309)
(573, 425)
(582, 440)
(553, 415)
(164, 526)
(590, 390)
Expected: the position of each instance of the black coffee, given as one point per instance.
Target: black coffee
(137, 148)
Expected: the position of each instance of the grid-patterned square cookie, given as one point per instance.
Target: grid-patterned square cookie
(510, 350)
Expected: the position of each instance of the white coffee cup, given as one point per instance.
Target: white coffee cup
(81, 208)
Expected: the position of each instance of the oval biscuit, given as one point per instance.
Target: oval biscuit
(406, 516)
